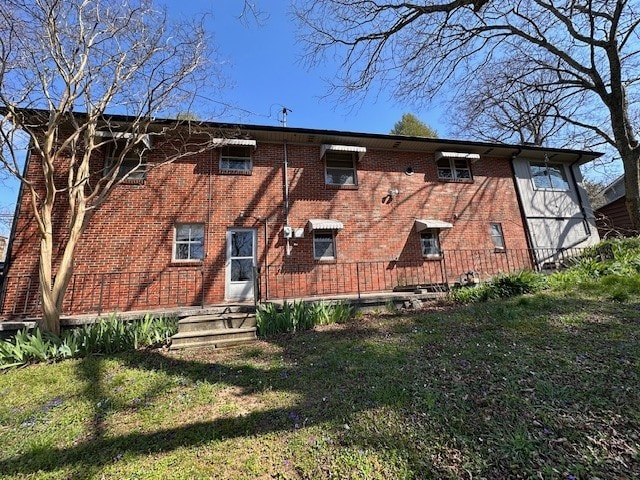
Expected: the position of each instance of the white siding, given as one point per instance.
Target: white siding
(555, 218)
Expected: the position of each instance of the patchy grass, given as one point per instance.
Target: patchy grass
(543, 386)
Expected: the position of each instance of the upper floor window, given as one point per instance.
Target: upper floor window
(236, 159)
(188, 244)
(340, 168)
(133, 164)
(549, 176)
(454, 169)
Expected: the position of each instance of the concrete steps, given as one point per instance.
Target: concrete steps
(217, 330)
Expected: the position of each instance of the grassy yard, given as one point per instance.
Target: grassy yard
(544, 386)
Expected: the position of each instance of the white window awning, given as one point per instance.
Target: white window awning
(324, 224)
(145, 139)
(236, 142)
(472, 157)
(431, 224)
(343, 148)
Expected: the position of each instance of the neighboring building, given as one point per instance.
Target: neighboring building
(612, 218)
(3, 249)
(316, 212)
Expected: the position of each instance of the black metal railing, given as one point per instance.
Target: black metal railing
(175, 287)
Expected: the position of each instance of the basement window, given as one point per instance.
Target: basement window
(324, 245)
(430, 242)
(497, 236)
(188, 244)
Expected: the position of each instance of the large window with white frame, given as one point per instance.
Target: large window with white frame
(340, 168)
(236, 159)
(188, 243)
(430, 243)
(548, 176)
(324, 245)
(454, 169)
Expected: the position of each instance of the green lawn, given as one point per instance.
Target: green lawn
(535, 387)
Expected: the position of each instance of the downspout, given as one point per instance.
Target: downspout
(14, 227)
(580, 199)
(285, 174)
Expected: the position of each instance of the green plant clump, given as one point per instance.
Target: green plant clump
(502, 286)
(299, 316)
(106, 336)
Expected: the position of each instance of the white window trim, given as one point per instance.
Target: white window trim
(436, 235)
(187, 242)
(353, 169)
(552, 188)
(333, 240)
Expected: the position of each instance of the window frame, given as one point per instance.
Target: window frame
(451, 161)
(190, 241)
(546, 166)
(132, 156)
(340, 157)
(248, 159)
(325, 233)
(435, 235)
(501, 245)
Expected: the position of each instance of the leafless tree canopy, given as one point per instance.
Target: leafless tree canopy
(583, 52)
(66, 66)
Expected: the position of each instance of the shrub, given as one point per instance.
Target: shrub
(296, 316)
(502, 286)
(106, 336)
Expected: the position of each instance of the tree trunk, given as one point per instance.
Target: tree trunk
(631, 162)
(50, 321)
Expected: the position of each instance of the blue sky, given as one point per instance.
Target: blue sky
(265, 73)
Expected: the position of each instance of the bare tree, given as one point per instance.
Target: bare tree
(585, 50)
(502, 104)
(66, 66)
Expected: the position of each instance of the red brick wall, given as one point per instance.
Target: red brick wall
(133, 231)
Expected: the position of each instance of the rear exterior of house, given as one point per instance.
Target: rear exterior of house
(279, 212)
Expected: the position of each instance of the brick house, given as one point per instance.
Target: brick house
(280, 212)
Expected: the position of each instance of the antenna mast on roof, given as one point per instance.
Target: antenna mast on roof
(285, 110)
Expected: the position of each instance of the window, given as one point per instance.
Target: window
(454, 169)
(236, 159)
(189, 242)
(495, 229)
(133, 162)
(340, 169)
(430, 244)
(324, 246)
(549, 176)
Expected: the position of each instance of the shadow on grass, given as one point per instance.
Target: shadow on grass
(496, 372)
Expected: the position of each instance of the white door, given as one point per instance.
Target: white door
(241, 259)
